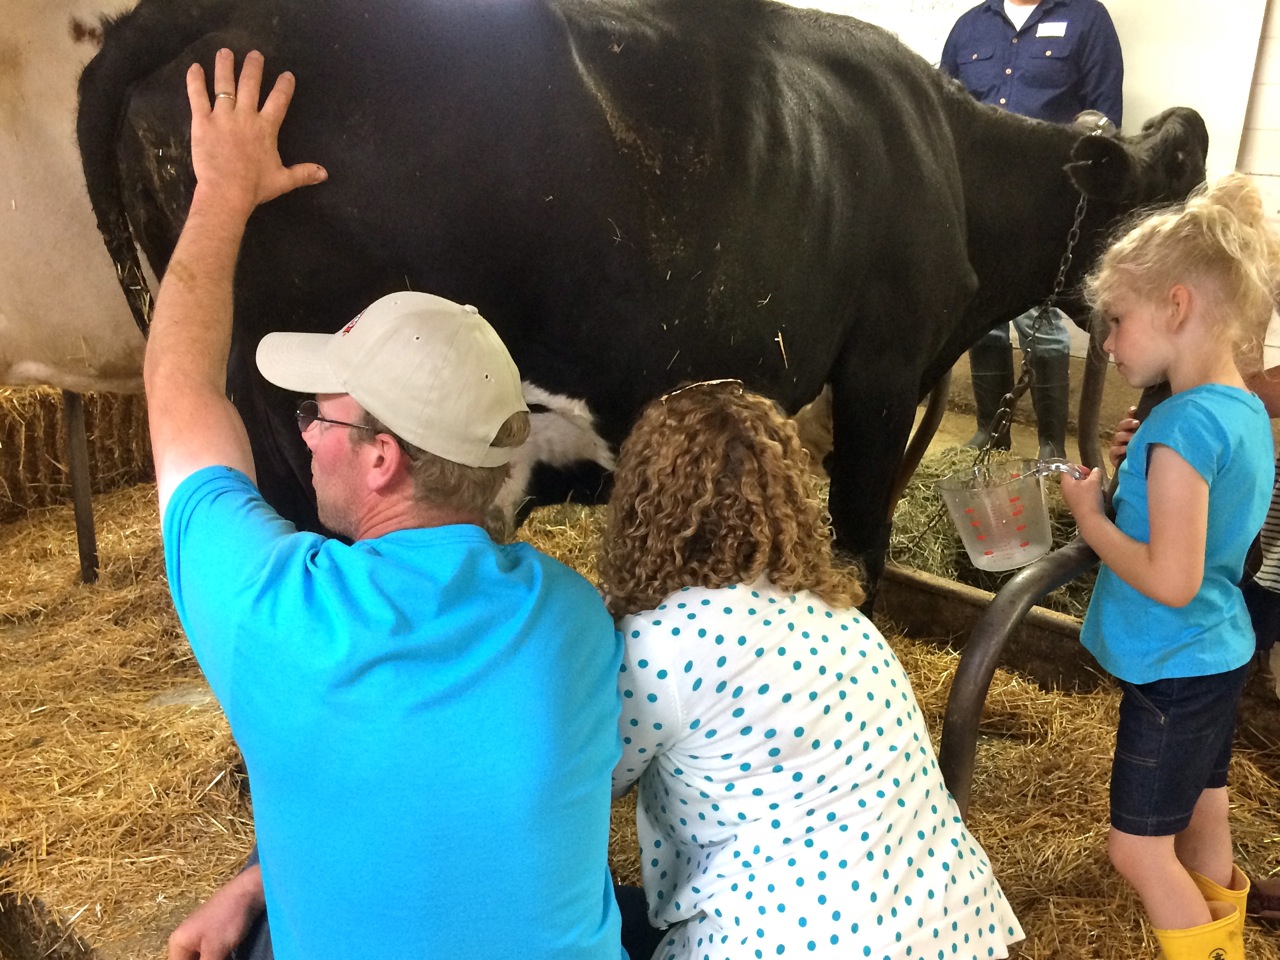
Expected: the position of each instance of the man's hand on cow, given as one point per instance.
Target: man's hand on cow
(237, 164)
(234, 143)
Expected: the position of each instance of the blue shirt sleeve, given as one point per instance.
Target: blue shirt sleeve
(949, 63)
(228, 555)
(1102, 68)
(1195, 435)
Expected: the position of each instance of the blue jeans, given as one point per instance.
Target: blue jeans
(1052, 338)
(639, 939)
(1264, 613)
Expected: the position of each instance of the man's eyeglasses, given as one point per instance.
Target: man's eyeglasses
(309, 413)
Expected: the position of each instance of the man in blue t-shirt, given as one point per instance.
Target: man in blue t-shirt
(1050, 60)
(428, 718)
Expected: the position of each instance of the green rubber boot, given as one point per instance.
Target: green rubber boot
(991, 369)
(1051, 398)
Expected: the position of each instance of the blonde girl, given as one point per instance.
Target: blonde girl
(1186, 294)
(789, 802)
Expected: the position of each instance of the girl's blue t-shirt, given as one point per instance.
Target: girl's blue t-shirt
(1224, 434)
(429, 722)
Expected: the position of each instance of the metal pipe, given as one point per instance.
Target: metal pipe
(81, 493)
(1006, 612)
(1087, 425)
(982, 653)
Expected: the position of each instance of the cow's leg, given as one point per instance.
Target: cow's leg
(873, 407)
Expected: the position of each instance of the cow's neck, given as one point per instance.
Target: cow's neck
(1020, 206)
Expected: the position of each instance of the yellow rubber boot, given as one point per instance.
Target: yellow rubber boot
(1219, 939)
(1237, 895)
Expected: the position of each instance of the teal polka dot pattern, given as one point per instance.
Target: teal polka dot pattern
(790, 802)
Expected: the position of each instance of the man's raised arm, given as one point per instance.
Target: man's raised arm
(237, 166)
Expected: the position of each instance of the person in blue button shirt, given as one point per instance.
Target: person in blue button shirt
(428, 718)
(1050, 60)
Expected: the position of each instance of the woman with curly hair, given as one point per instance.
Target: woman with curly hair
(789, 799)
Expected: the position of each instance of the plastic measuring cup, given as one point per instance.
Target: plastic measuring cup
(1000, 512)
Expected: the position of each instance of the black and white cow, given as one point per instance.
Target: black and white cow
(634, 192)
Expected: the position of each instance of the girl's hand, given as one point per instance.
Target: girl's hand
(1083, 497)
(1125, 430)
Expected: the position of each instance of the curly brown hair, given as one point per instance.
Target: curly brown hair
(713, 488)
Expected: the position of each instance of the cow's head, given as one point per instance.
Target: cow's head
(1161, 164)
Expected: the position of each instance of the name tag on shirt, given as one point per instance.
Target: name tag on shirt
(1058, 29)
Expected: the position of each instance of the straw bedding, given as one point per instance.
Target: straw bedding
(123, 802)
(113, 803)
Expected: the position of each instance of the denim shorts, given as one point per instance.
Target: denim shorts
(1173, 742)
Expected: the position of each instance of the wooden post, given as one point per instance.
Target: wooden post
(78, 464)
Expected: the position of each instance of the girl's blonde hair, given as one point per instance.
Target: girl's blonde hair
(1217, 240)
(713, 488)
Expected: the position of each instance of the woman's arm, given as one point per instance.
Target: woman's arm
(651, 718)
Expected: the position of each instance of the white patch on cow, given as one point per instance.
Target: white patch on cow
(63, 318)
(561, 435)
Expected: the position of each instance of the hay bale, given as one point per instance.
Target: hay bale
(33, 445)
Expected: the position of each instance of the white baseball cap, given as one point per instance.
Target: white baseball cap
(432, 370)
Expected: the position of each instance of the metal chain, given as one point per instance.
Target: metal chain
(1004, 416)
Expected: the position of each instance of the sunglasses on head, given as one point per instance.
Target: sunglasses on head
(704, 383)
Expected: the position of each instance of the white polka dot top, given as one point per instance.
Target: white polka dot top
(790, 802)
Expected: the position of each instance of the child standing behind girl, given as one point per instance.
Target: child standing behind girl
(1186, 293)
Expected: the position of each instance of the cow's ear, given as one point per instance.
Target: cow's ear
(1101, 168)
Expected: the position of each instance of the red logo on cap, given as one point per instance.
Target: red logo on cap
(348, 328)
